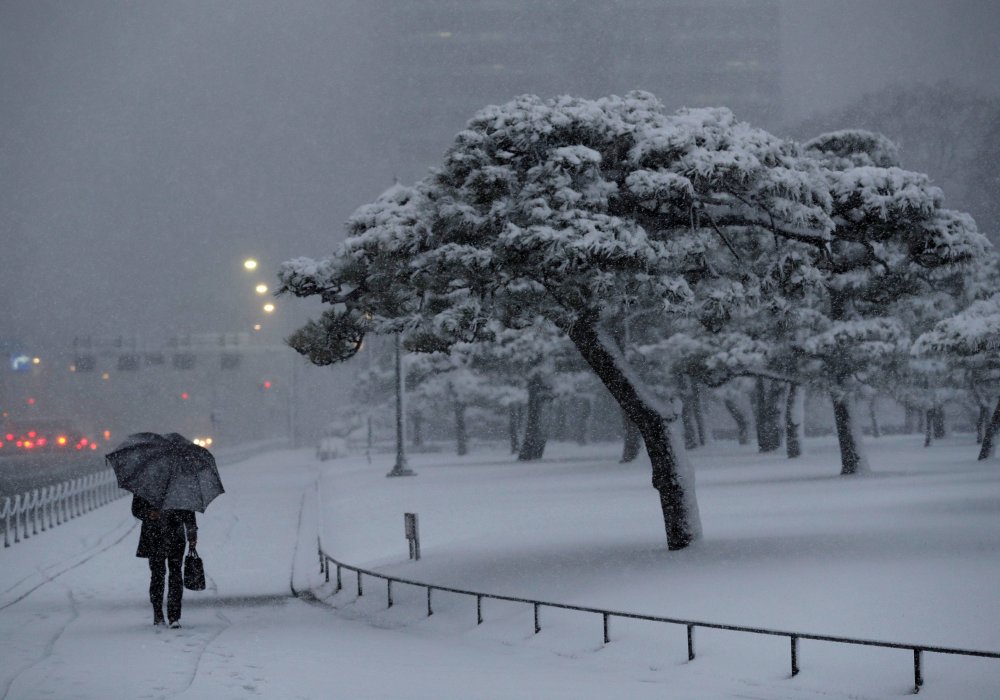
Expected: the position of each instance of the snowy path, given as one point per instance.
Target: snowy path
(74, 623)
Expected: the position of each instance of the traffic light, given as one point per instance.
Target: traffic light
(265, 385)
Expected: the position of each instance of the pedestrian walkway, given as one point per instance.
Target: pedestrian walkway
(75, 621)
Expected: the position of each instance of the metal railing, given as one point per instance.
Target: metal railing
(27, 514)
(325, 560)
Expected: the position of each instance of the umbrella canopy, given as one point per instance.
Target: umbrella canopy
(169, 471)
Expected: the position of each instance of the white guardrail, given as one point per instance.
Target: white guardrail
(27, 514)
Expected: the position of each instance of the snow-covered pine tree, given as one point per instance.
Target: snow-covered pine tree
(972, 333)
(574, 211)
(893, 240)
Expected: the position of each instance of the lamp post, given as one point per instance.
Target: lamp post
(400, 468)
(251, 265)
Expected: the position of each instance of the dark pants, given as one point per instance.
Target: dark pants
(175, 590)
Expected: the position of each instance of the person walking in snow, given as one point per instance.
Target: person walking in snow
(162, 539)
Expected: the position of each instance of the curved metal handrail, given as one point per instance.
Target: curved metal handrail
(325, 560)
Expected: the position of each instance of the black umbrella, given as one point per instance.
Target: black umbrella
(169, 471)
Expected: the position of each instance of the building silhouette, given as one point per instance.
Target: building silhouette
(436, 62)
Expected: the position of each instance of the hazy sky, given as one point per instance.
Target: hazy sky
(147, 147)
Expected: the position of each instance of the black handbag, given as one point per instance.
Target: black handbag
(194, 572)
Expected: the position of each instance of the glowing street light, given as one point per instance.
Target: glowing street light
(268, 308)
(256, 326)
(261, 289)
(250, 264)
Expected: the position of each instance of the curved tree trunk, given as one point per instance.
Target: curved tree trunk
(767, 410)
(873, 417)
(688, 423)
(582, 421)
(559, 421)
(853, 459)
(794, 420)
(940, 428)
(990, 434)
(514, 427)
(632, 441)
(981, 422)
(533, 444)
(673, 475)
(461, 436)
(742, 424)
(699, 413)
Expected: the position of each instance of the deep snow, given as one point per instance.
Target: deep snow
(910, 553)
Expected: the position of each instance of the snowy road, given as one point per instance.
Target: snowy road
(75, 623)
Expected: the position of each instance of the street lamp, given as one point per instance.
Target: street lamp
(260, 288)
(400, 468)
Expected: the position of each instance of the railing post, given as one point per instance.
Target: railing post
(26, 520)
(607, 638)
(326, 569)
(538, 627)
(430, 610)
(690, 631)
(479, 610)
(17, 516)
(340, 585)
(795, 655)
(36, 516)
(360, 591)
(388, 591)
(918, 675)
(29, 502)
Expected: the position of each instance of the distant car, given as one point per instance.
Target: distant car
(43, 435)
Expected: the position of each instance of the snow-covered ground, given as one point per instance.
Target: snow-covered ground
(910, 554)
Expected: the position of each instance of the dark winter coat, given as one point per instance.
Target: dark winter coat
(166, 536)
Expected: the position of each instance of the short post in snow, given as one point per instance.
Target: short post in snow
(412, 534)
